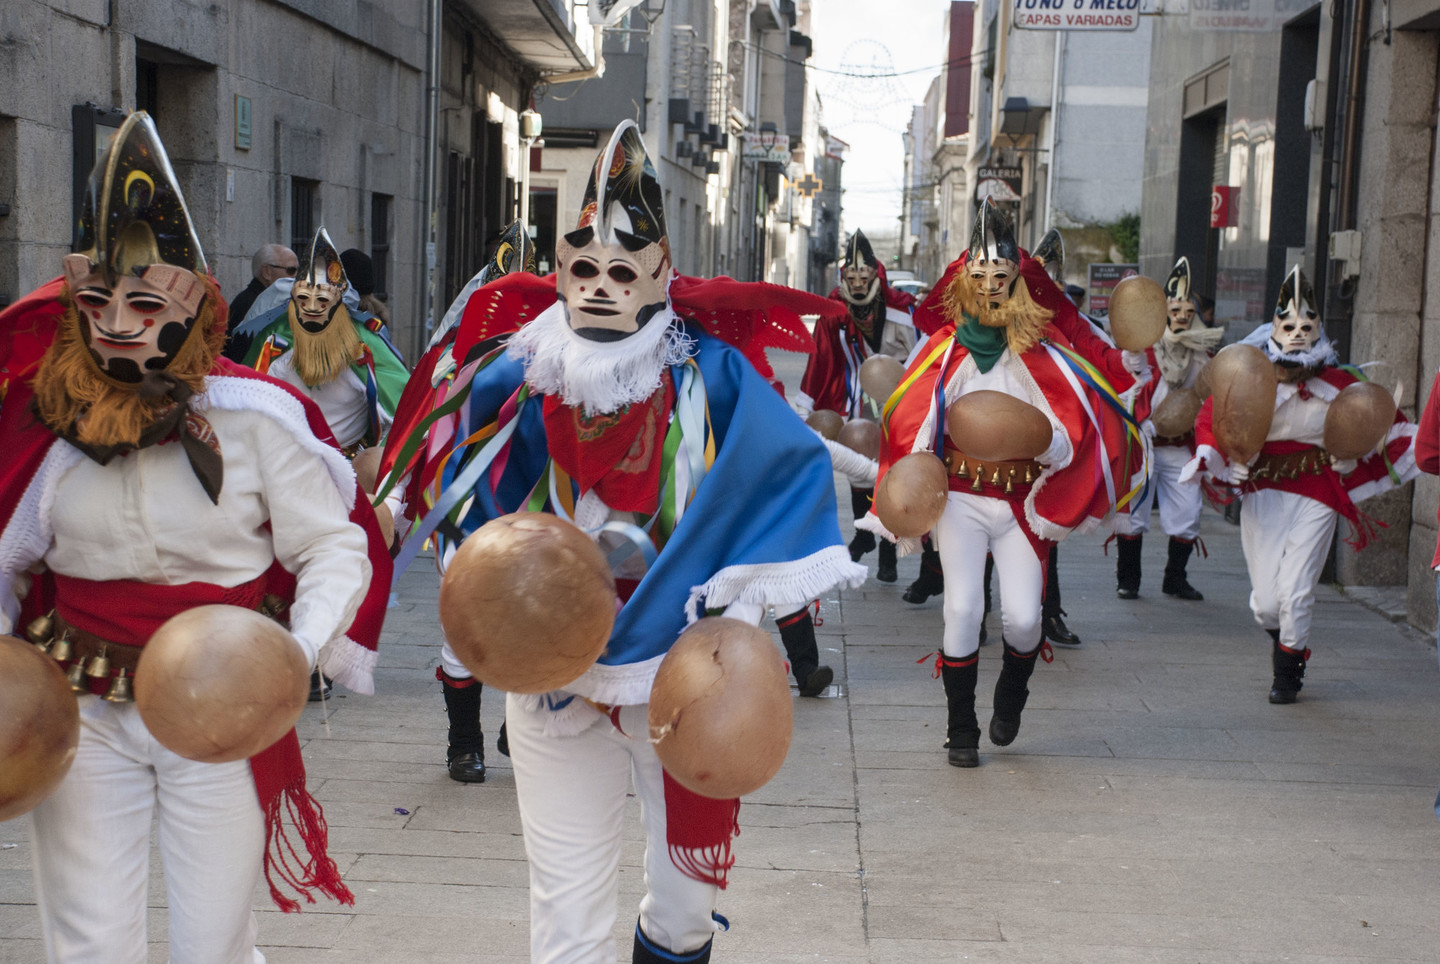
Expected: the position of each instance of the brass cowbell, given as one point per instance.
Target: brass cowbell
(120, 691)
(99, 666)
(76, 676)
(61, 649)
(40, 629)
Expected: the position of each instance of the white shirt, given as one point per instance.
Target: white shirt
(145, 517)
(1299, 419)
(341, 400)
(1010, 376)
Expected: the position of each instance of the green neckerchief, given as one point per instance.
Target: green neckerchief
(986, 345)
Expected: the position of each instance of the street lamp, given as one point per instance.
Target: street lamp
(1018, 118)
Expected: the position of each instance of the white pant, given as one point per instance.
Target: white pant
(451, 664)
(1179, 503)
(1286, 538)
(971, 526)
(572, 794)
(92, 848)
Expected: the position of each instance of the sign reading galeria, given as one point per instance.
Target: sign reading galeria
(999, 184)
(1077, 14)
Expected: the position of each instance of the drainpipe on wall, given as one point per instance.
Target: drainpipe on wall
(1054, 125)
(1339, 303)
(597, 71)
(428, 217)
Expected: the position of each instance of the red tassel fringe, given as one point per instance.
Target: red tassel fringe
(303, 873)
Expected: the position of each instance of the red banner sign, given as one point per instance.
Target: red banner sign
(1224, 206)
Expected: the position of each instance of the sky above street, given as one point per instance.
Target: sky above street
(896, 46)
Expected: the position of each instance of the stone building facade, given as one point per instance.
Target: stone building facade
(1321, 127)
(281, 116)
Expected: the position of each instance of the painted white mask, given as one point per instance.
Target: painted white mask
(994, 280)
(609, 291)
(1295, 328)
(315, 304)
(140, 323)
(861, 283)
(1179, 314)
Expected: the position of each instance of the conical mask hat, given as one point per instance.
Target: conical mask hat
(993, 237)
(133, 213)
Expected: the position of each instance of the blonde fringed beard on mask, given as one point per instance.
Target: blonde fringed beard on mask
(71, 391)
(322, 356)
(1023, 319)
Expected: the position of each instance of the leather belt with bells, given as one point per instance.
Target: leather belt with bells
(92, 658)
(1006, 475)
(1309, 461)
(89, 657)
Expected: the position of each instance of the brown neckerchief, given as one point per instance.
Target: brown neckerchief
(195, 433)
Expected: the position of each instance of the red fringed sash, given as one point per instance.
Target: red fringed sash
(128, 612)
(699, 831)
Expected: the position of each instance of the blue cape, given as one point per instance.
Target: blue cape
(761, 528)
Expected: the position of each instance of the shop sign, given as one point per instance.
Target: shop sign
(1103, 279)
(1077, 14)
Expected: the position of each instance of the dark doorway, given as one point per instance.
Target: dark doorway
(1289, 197)
(543, 219)
(1201, 152)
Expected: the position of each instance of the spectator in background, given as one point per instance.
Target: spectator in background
(361, 272)
(1205, 308)
(270, 263)
(1076, 294)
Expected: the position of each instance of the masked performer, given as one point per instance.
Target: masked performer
(433, 377)
(877, 321)
(1092, 344)
(1002, 338)
(1293, 489)
(614, 399)
(146, 475)
(1176, 360)
(342, 359)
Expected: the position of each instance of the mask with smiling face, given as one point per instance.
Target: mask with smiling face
(135, 283)
(994, 263)
(320, 285)
(1179, 305)
(614, 269)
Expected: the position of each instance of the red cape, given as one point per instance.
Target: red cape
(1061, 501)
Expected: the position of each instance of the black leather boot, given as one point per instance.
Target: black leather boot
(863, 541)
(1289, 668)
(985, 587)
(648, 952)
(885, 572)
(1175, 583)
(319, 686)
(797, 633)
(963, 729)
(466, 755)
(930, 582)
(1011, 692)
(1052, 625)
(1127, 566)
